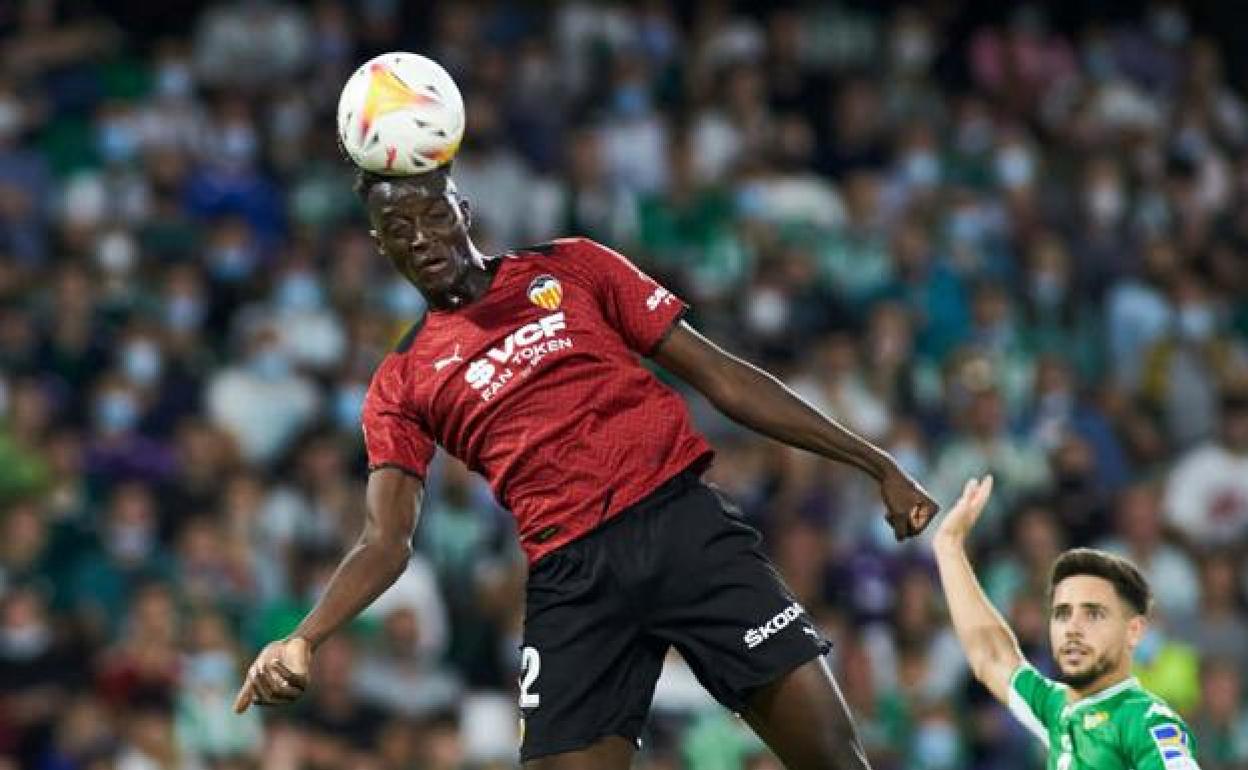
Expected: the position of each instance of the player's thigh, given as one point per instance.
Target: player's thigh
(725, 607)
(804, 719)
(586, 672)
(610, 753)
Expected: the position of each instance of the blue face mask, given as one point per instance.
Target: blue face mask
(174, 81)
(116, 413)
(183, 313)
(116, 142)
(349, 405)
(270, 364)
(936, 745)
(921, 169)
(230, 263)
(239, 144)
(1015, 167)
(142, 362)
(631, 101)
(966, 226)
(299, 291)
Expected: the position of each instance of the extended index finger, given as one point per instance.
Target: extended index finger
(244, 698)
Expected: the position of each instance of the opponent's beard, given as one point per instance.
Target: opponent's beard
(1081, 679)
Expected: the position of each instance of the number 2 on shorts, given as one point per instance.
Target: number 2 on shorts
(530, 667)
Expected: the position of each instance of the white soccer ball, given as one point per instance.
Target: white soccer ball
(399, 114)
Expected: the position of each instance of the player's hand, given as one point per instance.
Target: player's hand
(965, 512)
(278, 675)
(909, 508)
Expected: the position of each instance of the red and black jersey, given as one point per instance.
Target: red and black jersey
(538, 386)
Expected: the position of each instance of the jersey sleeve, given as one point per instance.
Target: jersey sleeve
(1036, 701)
(1159, 740)
(636, 305)
(393, 436)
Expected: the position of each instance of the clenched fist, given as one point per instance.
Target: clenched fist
(908, 506)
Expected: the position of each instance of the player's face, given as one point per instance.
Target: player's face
(422, 228)
(1092, 631)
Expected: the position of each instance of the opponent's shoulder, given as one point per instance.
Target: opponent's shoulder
(572, 253)
(392, 373)
(405, 343)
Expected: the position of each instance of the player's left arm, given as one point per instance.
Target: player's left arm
(759, 401)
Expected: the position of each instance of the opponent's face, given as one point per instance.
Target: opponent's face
(1092, 631)
(422, 228)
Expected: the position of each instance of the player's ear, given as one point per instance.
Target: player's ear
(465, 210)
(1137, 626)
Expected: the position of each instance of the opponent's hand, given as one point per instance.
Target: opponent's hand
(965, 512)
(278, 675)
(908, 506)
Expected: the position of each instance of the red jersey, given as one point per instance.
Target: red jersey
(538, 386)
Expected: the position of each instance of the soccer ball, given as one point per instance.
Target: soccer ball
(400, 114)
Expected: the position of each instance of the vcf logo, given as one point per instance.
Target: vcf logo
(546, 292)
(481, 371)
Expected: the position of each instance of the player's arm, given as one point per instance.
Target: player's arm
(990, 645)
(759, 401)
(379, 556)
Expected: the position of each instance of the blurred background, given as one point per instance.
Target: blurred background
(991, 239)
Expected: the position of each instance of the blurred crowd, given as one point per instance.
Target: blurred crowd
(987, 242)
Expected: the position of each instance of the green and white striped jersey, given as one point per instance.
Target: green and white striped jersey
(1123, 727)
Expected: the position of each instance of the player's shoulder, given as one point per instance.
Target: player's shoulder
(1151, 708)
(567, 249)
(1143, 710)
(391, 373)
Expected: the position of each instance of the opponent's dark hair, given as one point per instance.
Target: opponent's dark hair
(1126, 578)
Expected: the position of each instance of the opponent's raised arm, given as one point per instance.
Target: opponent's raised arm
(990, 645)
(759, 401)
(379, 556)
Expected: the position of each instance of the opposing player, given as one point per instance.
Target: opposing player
(527, 367)
(1098, 718)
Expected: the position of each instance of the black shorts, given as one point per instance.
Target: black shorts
(680, 568)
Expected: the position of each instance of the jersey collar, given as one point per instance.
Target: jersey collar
(1109, 692)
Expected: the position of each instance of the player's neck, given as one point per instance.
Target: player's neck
(472, 284)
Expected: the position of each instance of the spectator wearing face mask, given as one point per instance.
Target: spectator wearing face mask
(262, 401)
(1183, 370)
(126, 556)
(1207, 492)
(116, 448)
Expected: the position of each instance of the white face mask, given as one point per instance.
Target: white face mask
(142, 362)
(24, 642)
(1196, 322)
(10, 117)
(768, 311)
(1106, 203)
(1016, 167)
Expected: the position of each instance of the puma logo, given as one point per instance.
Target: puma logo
(445, 362)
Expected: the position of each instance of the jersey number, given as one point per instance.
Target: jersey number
(530, 667)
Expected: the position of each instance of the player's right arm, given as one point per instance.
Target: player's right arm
(991, 647)
(379, 556)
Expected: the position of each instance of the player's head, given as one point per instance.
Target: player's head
(1098, 611)
(421, 224)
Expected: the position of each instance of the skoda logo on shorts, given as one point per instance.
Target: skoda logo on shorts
(546, 292)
